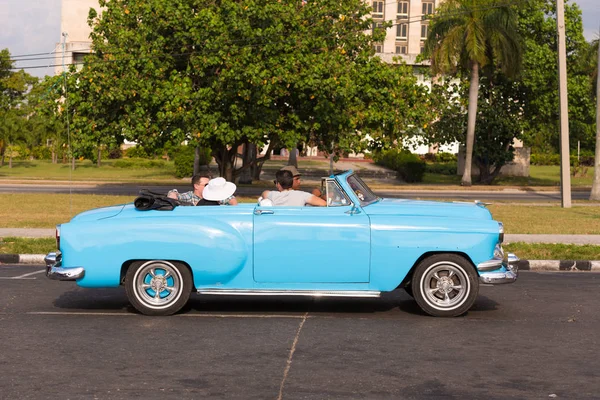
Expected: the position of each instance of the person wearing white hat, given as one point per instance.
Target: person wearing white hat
(218, 192)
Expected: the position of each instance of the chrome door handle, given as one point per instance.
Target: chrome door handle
(261, 212)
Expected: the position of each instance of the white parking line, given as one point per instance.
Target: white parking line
(181, 315)
(24, 276)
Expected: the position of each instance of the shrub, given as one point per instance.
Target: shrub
(184, 160)
(136, 152)
(139, 163)
(408, 166)
(554, 159)
(446, 168)
(445, 157)
(41, 153)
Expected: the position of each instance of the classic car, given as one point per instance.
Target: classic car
(359, 245)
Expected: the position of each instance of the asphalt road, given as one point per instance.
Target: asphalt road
(466, 195)
(537, 338)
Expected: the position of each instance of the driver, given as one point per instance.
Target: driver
(287, 195)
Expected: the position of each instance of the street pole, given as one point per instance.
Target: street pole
(565, 165)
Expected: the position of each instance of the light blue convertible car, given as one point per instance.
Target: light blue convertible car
(360, 245)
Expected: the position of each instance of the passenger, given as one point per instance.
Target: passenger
(287, 196)
(191, 198)
(297, 177)
(218, 192)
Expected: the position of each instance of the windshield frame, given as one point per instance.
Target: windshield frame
(368, 195)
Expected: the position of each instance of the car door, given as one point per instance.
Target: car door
(312, 244)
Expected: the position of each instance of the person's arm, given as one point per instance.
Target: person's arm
(233, 201)
(316, 201)
(173, 194)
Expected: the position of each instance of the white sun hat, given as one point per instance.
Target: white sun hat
(218, 189)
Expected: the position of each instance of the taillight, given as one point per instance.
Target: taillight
(58, 237)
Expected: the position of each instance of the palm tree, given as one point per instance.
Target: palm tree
(469, 35)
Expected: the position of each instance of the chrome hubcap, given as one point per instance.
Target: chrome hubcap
(158, 284)
(445, 285)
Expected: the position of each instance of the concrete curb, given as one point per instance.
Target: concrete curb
(22, 259)
(524, 265)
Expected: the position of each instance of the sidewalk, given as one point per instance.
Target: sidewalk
(527, 265)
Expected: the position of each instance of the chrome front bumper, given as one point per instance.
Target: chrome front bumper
(497, 271)
(56, 272)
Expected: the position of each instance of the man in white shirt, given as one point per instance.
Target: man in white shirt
(287, 196)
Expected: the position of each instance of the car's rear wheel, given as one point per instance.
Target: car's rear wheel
(158, 287)
(445, 285)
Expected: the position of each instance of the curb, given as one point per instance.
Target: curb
(22, 259)
(523, 265)
(558, 265)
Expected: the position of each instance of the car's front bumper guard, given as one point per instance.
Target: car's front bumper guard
(55, 271)
(497, 271)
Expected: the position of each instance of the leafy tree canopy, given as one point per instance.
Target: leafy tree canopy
(225, 73)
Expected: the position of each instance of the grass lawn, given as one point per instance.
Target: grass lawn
(161, 171)
(37, 210)
(525, 251)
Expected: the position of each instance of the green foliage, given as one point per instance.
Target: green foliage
(498, 121)
(184, 161)
(408, 166)
(139, 163)
(473, 36)
(539, 78)
(136, 152)
(442, 168)
(554, 159)
(222, 74)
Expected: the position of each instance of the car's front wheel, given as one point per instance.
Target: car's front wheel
(445, 285)
(158, 287)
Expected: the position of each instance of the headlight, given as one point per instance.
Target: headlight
(500, 232)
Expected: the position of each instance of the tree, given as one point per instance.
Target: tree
(498, 123)
(230, 73)
(595, 46)
(14, 85)
(469, 35)
(539, 77)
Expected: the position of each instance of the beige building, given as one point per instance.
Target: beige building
(75, 30)
(407, 35)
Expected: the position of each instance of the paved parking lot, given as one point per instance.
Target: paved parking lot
(533, 339)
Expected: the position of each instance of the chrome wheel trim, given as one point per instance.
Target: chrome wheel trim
(157, 284)
(445, 285)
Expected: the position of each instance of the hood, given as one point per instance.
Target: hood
(428, 209)
(98, 213)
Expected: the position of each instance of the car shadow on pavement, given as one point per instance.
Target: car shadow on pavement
(115, 299)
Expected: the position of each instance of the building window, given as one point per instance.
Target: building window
(401, 31)
(78, 59)
(377, 26)
(427, 8)
(378, 48)
(424, 31)
(378, 7)
(422, 49)
(403, 7)
(401, 49)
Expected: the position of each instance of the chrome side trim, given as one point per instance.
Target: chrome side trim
(314, 293)
(56, 272)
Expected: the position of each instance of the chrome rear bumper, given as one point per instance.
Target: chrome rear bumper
(56, 272)
(506, 271)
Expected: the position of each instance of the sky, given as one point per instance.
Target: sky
(33, 26)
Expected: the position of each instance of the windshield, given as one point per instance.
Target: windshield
(362, 191)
